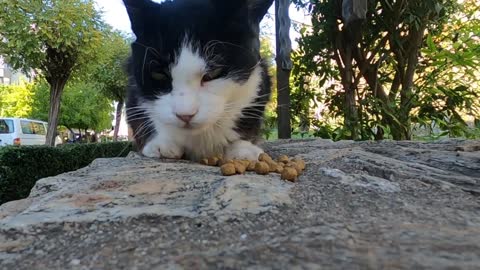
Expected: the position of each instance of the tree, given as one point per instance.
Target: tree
(52, 36)
(109, 73)
(284, 66)
(380, 63)
(449, 75)
(83, 106)
(270, 117)
(15, 100)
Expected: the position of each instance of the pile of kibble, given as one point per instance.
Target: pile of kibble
(288, 168)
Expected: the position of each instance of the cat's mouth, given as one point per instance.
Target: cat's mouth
(188, 126)
(194, 127)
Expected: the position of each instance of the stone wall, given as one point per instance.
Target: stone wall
(359, 205)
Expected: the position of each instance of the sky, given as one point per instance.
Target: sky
(115, 14)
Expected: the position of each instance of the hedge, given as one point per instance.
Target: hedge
(21, 167)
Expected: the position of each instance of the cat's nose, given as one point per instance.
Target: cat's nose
(186, 117)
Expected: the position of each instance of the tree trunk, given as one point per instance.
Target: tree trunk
(72, 132)
(406, 93)
(56, 90)
(351, 114)
(118, 118)
(284, 66)
(283, 99)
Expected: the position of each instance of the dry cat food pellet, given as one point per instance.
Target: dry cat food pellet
(225, 161)
(290, 174)
(300, 163)
(273, 165)
(264, 157)
(283, 159)
(251, 166)
(245, 162)
(239, 167)
(228, 169)
(295, 166)
(262, 168)
(289, 169)
(213, 161)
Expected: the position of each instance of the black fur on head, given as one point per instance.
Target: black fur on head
(216, 27)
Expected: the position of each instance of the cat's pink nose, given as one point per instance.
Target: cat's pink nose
(185, 118)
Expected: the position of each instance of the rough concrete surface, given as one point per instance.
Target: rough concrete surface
(358, 205)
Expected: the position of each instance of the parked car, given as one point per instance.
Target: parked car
(19, 131)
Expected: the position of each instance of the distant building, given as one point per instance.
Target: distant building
(9, 76)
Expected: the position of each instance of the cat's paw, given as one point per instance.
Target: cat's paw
(158, 148)
(243, 150)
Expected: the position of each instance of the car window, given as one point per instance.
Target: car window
(39, 128)
(27, 127)
(6, 126)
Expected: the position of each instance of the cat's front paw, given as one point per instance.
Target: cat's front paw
(243, 150)
(158, 148)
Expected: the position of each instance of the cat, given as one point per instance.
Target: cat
(197, 84)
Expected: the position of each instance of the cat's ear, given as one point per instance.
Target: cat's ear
(257, 9)
(136, 11)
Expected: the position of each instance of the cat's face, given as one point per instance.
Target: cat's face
(196, 62)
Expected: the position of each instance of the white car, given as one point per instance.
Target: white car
(18, 131)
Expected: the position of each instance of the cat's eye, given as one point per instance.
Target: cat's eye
(212, 75)
(159, 75)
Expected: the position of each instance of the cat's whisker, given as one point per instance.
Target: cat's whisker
(138, 133)
(251, 105)
(252, 116)
(144, 126)
(145, 123)
(255, 102)
(138, 118)
(251, 113)
(249, 109)
(135, 112)
(137, 115)
(264, 95)
(217, 42)
(151, 131)
(148, 48)
(141, 107)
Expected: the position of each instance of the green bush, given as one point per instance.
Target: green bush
(21, 167)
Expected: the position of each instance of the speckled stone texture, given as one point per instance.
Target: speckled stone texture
(358, 205)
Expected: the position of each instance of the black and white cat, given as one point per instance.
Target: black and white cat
(198, 86)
